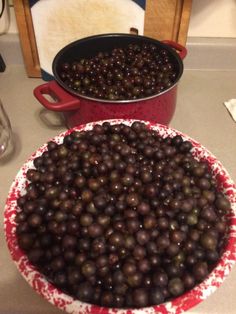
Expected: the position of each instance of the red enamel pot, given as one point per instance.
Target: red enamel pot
(81, 109)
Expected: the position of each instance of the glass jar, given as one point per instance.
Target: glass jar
(5, 130)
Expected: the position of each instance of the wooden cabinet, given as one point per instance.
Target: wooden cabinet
(167, 19)
(27, 39)
(164, 19)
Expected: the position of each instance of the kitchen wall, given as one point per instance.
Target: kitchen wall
(209, 18)
(8, 15)
(213, 18)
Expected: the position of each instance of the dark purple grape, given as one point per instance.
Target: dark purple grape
(176, 286)
(118, 216)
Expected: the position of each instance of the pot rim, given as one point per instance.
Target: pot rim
(120, 35)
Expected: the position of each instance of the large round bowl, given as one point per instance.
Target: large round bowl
(184, 302)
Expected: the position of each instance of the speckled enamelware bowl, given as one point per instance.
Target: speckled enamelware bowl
(39, 283)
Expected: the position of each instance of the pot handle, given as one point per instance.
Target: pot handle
(181, 49)
(63, 100)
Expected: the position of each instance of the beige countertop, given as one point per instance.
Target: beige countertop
(200, 113)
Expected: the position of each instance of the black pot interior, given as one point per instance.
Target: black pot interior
(90, 46)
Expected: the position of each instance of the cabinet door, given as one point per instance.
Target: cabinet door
(167, 19)
(27, 38)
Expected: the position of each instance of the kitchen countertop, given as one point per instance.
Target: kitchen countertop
(200, 113)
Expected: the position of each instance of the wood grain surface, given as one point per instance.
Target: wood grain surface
(167, 19)
(164, 19)
(27, 38)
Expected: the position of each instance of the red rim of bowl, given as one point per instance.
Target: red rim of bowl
(178, 305)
